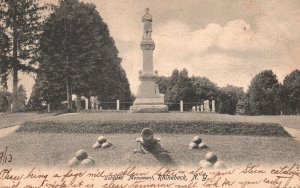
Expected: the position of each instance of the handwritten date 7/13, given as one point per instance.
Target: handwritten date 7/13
(5, 156)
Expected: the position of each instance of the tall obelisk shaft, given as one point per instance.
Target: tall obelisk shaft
(147, 76)
(147, 46)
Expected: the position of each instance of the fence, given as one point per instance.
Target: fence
(117, 105)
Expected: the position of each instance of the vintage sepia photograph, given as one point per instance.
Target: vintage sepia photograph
(149, 94)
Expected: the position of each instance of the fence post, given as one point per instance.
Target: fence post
(213, 106)
(118, 104)
(92, 103)
(86, 103)
(49, 108)
(181, 105)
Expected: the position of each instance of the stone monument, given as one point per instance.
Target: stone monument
(148, 98)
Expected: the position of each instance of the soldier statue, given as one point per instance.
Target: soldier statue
(147, 20)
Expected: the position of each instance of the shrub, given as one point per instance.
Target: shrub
(158, 126)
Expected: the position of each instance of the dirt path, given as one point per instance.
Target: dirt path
(10, 122)
(13, 119)
(293, 132)
(6, 131)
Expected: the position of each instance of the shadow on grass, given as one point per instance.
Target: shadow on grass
(164, 159)
(162, 156)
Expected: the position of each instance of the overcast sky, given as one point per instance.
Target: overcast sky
(227, 41)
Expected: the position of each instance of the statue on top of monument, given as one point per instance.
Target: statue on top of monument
(147, 20)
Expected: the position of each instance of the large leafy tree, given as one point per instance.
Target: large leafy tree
(170, 96)
(78, 56)
(5, 99)
(290, 93)
(4, 64)
(242, 106)
(263, 98)
(229, 97)
(204, 88)
(22, 22)
(4, 94)
(46, 90)
(163, 83)
(113, 84)
(180, 88)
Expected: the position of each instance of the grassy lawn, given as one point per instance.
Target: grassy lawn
(183, 123)
(178, 116)
(38, 142)
(12, 119)
(48, 149)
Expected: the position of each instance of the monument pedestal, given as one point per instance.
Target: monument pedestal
(148, 108)
(148, 99)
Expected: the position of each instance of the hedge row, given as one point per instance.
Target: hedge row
(178, 127)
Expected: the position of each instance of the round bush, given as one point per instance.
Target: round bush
(101, 139)
(193, 145)
(220, 165)
(81, 155)
(202, 145)
(96, 145)
(73, 162)
(197, 139)
(211, 157)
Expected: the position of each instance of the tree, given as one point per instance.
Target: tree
(5, 100)
(170, 98)
(263, 99)
(46, 91)
(242, 106)
(180, 88)
(228, 99)
(204, 88)
(4, 64)
(290, 93)
(78, 56)
(22, 97)
(113, 85)
(35, 102)
(163, 83)
(22, 22)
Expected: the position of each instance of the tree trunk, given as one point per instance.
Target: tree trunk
(69, 95)
(15, 90)
(15, 59)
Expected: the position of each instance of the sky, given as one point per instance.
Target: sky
(227, 41)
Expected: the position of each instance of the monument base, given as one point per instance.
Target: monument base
(148, 108)
(149, 100)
